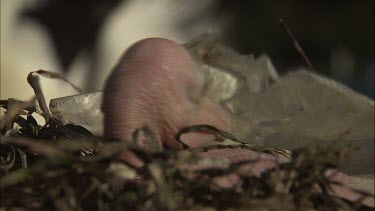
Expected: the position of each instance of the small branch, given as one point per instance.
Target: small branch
(35, 84)
(14, 108)
(296, 44)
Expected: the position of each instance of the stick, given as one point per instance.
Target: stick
(296, 43)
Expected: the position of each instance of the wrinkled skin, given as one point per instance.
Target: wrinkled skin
(156, 84)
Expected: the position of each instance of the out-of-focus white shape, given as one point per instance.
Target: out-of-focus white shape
(26, 46)
(136, 20)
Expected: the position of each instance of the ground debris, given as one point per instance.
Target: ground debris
(80, 172)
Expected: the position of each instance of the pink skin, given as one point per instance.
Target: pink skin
(156, 84)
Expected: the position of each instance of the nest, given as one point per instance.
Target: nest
(65, 167)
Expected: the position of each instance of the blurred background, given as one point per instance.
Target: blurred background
(84, 39)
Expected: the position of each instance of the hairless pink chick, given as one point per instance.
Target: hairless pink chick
(156, 84)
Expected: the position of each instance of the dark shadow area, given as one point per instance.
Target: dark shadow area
(330, 32)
